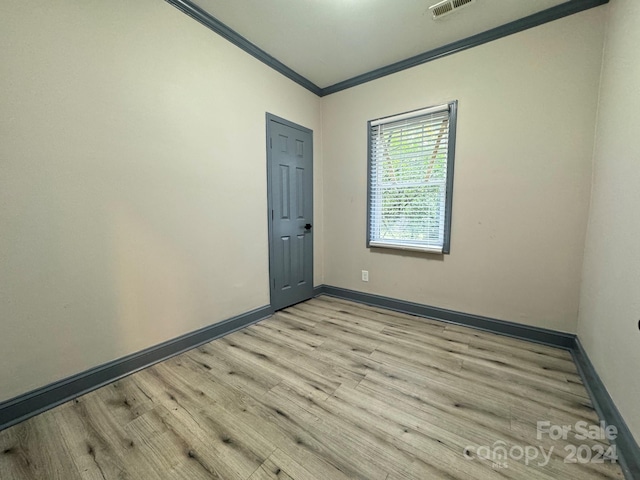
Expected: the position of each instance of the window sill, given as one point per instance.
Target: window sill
(407, 246)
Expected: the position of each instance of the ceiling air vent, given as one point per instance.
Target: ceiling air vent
(446, 7)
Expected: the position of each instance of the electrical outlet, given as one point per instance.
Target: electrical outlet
(365, 275)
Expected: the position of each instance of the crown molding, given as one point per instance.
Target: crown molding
(540, 18)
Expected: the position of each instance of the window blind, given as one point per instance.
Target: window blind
(408, 180)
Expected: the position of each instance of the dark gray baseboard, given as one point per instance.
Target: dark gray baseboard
(627, 447)
(511, 329)
(37, 401)
(24, 406)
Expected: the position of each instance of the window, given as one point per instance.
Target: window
(411, 179)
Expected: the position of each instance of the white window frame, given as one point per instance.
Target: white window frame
(444, 246)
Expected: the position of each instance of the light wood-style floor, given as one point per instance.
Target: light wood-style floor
(324, 390)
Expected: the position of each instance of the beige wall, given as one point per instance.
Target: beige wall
(132, 181)
(522, 176)
(610, 296)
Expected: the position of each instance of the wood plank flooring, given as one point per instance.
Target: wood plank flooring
(327, 389)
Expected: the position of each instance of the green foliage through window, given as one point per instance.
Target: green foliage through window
(408, 179)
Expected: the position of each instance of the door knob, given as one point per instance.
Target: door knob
(308, 226)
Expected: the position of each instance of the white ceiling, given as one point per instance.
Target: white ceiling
(328, 41)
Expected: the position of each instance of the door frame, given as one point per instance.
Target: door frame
(269, 118)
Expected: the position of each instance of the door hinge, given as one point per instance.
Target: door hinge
(271, 143)
(271, 214)
(274, 283)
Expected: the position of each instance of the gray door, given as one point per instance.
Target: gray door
(290, 190)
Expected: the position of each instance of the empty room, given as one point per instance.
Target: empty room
(318, 240)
